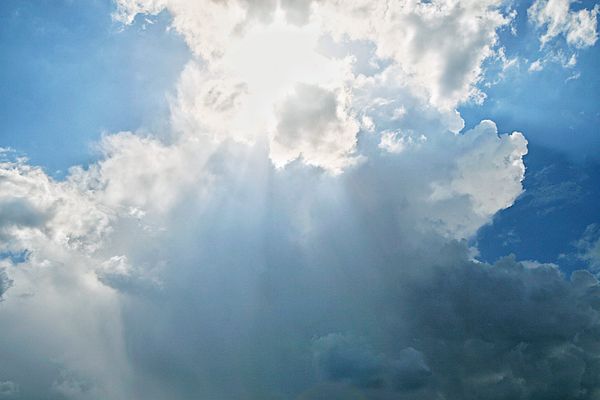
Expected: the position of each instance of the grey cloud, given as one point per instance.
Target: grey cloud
(307, 114)
(480, 332)
(507, 331)
(313, 124)
(341, 298)
(21, 212)
(8, 389)
(5, 282)
(346, 359)
(294, 284)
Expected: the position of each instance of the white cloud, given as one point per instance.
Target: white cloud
(314, 124)
(440, 45)
(216, 256)
(489, 171)
(252, 59)
(579, 28)
(536, 66)
(38, 207)
(396, 141)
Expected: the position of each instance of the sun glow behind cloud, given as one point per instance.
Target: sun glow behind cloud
(268, 61)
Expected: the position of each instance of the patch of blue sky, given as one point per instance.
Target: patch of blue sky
(557, 107)
(545, 223)
(558, 110)
(15, 257)
(69, 73)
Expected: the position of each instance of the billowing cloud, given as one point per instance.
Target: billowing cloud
(348, 360)
(252, 60)
(440, 45)
(299, 232)
(314, 124)
(34, 208)
(481, 331)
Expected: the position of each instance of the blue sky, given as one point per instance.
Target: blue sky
(299, 200)
(560, 117)
(71, 73)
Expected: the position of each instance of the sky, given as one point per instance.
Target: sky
(298, 199)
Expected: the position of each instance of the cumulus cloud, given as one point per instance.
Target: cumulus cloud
(232, 272)
(252, 60)
(556, 18)
(490, 162)
(35, 207)
(314, 124)
(299, 233)
(440, 45)
(477, 331)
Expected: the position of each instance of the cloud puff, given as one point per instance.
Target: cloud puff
(440, 45)
(36, 207)
(557, 18)
(314, 124)
(489, 163)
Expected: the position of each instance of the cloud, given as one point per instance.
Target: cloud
(212, 254)
(346, 359)
(536, 66)
(557, 19)
(5, 282)
(313, 124)
(300, 231)
(510, 330)
(479, 331)
(416, 36)
(35, 207)
(250, 60)
(396, 142)
(589, 246)
(8, 389)
(490, 162)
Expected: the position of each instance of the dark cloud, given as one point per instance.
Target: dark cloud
(337, 300)
(5, 282)
(20, 212)
(344, 359)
